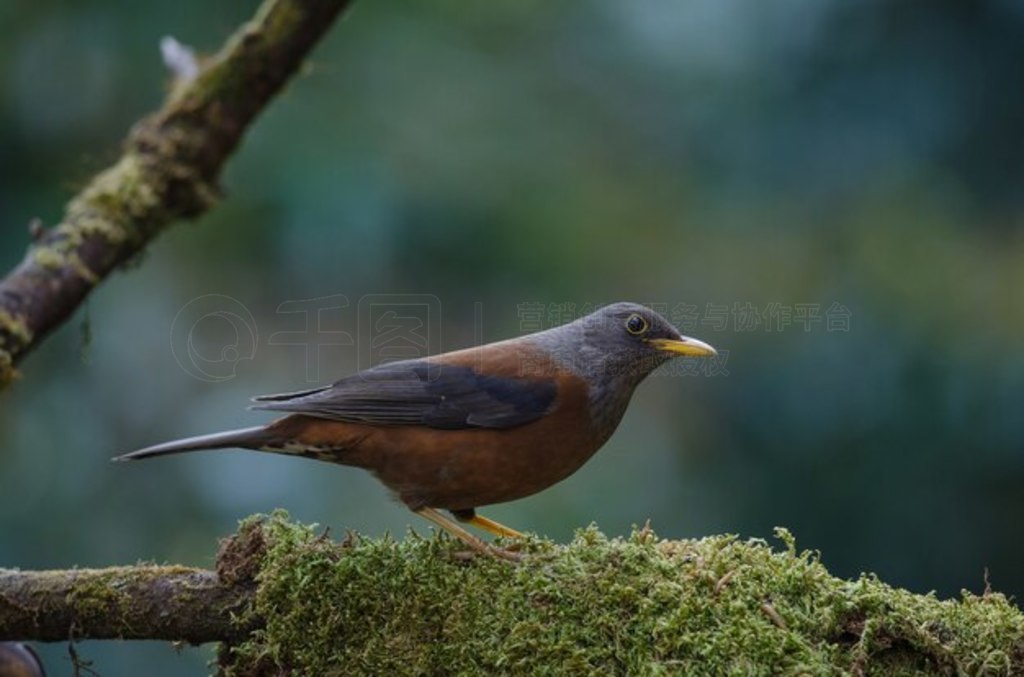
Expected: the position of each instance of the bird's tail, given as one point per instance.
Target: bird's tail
(246, 438)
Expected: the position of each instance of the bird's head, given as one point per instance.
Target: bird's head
(629, 340)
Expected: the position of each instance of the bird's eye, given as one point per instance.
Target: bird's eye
(636, 325)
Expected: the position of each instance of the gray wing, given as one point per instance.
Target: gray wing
(423, 393)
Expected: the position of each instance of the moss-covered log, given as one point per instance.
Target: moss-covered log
(309, 605)
(169, 170)
(718, 605)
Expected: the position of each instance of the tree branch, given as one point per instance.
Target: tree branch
(168, 171)
(141, 602)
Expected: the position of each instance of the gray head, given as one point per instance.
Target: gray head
(620, 342)
(614, 349)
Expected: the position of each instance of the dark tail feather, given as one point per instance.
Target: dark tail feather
(283, 397)
(249, 438)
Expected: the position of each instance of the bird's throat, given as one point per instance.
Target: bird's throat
(608, 403)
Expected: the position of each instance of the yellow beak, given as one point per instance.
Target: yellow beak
(686, 346)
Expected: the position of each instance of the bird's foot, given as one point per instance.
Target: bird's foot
(479, 546)
(469, 516)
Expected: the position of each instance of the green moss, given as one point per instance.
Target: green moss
(278, 20)
(60, 254)
(597, 605)
(48, 258)
(121, 205)
(16, 328)
(7, 371)
(117, 199)
(94, 600)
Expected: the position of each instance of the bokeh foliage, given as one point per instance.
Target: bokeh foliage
(560, 152)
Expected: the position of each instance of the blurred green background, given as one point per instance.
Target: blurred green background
(791, 158)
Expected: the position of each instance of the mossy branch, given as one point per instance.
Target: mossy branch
(145, 601)
(138, 602)
(287, 600)
(169, 170)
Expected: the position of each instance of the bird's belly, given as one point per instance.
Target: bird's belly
(460, 469)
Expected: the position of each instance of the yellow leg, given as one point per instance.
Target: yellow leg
(469, 539)
(493, 527)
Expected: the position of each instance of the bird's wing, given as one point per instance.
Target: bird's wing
(448, 396)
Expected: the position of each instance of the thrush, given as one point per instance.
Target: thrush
(472, 427)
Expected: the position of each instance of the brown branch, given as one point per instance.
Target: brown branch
(140, 602)
(168, 171)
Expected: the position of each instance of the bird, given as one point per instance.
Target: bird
(473, 427)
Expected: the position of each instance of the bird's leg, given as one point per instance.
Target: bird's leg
(488, 525)
(469, 539)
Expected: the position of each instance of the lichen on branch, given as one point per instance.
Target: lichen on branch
(133, 602)
(168, 171)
